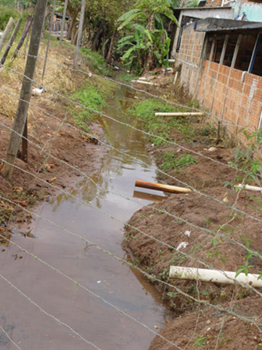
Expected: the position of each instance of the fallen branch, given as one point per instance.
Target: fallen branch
(161, 187)
(179, 114)
(214, 276)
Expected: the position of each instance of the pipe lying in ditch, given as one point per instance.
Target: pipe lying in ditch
(206, 275)
(250, 188)
(178, 114)
(160, 187)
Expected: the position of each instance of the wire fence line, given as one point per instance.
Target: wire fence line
(47, 313)
(78, 284)
(162, 172)
(249, 250)
(9, 338)
(176, 217)
(128, 125)
(142, 91)
(160, 281)
(199, 301)
(172, 215)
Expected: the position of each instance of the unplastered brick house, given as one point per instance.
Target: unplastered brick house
(218, 50)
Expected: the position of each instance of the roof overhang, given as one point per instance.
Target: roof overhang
(225, 25)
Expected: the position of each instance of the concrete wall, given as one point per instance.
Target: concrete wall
(201, 13)
(251, 9)
(229, 94)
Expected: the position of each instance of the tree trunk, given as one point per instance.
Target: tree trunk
(97, 35)
(149, 60)
(79, 36)
(49, 37)
(25, 95)
(63, 22)
(73, 15)
(11, 40)
(27, 26)
(111, 47)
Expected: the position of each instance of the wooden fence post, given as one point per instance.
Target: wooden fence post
(8, 28)
(25, 94)
(10, 42)
(79, 37)
(27, 26)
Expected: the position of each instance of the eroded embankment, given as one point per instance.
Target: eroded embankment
(217, 233)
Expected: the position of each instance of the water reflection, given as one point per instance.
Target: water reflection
(117, 283)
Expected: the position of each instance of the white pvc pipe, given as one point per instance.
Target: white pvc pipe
(144, 82)
(178, 114)
(248, 187)
(215, 276)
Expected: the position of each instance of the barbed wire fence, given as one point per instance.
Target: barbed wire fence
(48, 154)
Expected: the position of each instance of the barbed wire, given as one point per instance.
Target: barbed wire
(142, 91)
(127, 198)
(78, 284)
(173, 177)
(126, 124)
(150, 277)
(47, 313)
(158, 137)
(9, 338)
(178, 218)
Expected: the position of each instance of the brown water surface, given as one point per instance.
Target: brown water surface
(58, 243)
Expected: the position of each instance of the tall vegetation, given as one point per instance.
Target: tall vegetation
(146, 42)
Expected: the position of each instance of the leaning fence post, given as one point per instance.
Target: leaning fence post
(8, 28)
(11, 40)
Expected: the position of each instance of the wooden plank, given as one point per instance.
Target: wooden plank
(161, 187)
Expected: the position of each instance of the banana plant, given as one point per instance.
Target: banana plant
(147, 43)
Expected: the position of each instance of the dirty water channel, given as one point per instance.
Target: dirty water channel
(82, 213)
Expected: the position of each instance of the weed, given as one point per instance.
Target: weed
(91, 97)
(201, 341)
(171, 162)
(160, 127)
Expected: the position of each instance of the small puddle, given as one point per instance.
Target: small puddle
(101, 274)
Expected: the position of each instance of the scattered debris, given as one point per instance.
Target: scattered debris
(182, 245)
(22, 203)
(39, 90)
(212, 149)
(187, 233)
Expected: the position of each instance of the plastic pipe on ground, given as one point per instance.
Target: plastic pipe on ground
(248, 187)
(206, 275)
(160, 187)
(179, 114)
(144, 82)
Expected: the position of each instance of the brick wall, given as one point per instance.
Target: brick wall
(229, 94)
(189, 56)
(213, 3)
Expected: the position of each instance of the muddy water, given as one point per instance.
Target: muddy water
(83, 214)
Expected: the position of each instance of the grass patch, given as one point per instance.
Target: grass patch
(91, 97)
(172, 161)
(161, 127)
(95, 62)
